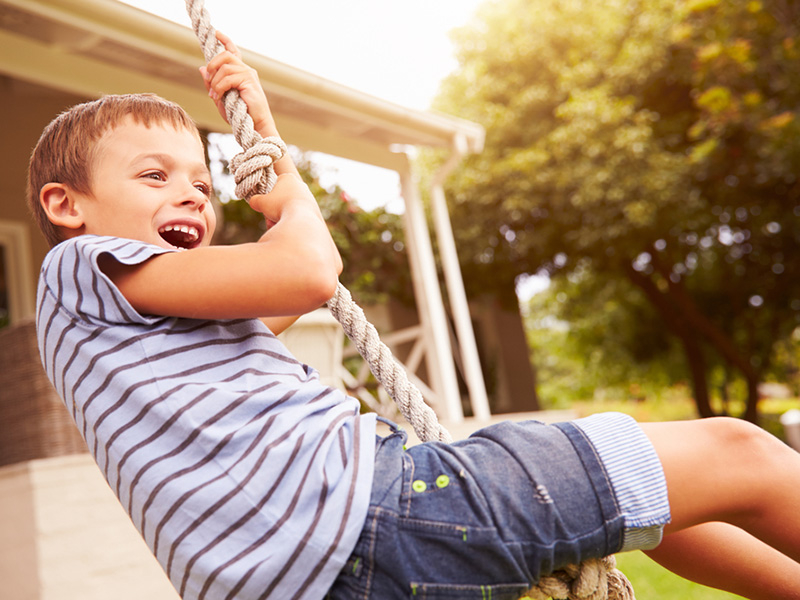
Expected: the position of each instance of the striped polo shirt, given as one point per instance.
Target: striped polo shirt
(246, 476)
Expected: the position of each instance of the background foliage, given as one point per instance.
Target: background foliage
(643, 154)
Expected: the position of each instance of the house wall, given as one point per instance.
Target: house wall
(502, 346)
(25, 109)
(505, 356)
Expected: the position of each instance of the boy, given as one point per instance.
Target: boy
(250, 479)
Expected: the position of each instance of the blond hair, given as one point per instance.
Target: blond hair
(65, 150)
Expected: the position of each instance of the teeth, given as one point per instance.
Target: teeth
(190, 231)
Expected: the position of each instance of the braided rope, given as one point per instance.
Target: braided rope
(596, 579)
(254, 174)
(386, 369)
(252, 168)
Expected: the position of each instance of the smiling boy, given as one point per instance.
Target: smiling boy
(244, 473)
(248, 478)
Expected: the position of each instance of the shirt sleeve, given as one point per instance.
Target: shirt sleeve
(71, 276)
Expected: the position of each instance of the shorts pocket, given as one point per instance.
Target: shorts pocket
(443, 591)
(351, 582)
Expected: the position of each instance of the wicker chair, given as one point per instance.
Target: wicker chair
(33, 420)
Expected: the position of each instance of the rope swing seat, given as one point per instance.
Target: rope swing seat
(595, 579)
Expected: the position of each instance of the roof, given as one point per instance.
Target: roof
(92, 47)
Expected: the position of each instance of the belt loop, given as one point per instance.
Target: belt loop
(395, 429)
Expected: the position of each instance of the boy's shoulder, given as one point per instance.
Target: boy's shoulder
(91, 247)
(73, 278)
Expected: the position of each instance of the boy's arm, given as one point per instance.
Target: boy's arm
(291, 270)
(278, 325)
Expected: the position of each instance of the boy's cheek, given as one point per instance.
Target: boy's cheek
(212, 228)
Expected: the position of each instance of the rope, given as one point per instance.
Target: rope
(385, 367)
(596, 579)
(252, 169)
(254, 173)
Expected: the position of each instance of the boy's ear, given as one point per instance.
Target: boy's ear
(60, 204)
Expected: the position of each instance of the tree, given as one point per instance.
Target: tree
(650, 141)
(594, 334)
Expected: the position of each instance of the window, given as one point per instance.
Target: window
(16, 273)
(4, 315)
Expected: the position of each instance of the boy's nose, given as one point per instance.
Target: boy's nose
(194, 198)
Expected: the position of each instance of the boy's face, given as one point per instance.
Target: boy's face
(150, 184)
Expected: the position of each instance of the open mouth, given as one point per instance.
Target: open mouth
(181, 236)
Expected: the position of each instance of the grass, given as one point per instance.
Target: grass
(673, 409)
(650, 580)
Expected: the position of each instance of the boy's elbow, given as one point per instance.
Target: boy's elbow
(322, 283)
(328, 290)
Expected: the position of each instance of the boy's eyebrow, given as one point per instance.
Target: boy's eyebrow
(165, 158)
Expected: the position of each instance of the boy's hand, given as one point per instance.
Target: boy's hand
(227, 71)
(289, 193)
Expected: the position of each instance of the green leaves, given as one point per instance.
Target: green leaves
(619, 129)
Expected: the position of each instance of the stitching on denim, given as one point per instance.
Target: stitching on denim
(425, 590)
(446, 528)
(369, 564)
(409, 468)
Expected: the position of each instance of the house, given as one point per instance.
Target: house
(59, 535)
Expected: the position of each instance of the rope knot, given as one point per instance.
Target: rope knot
(252, 169)
(594, 579)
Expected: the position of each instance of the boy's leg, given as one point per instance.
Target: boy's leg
(731, 471)
(728, 558)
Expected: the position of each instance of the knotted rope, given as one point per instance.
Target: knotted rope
(596, 579)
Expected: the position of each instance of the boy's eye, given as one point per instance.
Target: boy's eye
(157, 175)
(204, 188)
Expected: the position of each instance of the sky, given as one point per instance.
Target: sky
(397, 51)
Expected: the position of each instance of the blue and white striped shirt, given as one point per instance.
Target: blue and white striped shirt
(246, 476)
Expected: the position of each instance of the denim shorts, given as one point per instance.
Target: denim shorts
(482, 517)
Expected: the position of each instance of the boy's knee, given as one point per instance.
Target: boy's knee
(740, 440)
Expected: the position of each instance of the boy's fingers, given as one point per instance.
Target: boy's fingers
(264, 204)
(222, 65)
(218, 61)
(228, 43)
